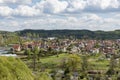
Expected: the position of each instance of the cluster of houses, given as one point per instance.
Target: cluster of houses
(73, 46)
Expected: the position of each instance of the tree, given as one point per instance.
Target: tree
(73, 62)
(112, 65)
(71, 65)
(67, 74)
(35, 52)
(84, 65)
(69, 48)
(28, 53)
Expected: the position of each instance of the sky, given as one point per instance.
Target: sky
(59, 14)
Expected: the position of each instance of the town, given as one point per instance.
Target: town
(64, 58)
(108, 47)
(99, 58)
(59, 39)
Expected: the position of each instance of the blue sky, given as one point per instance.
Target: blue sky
(59, 14)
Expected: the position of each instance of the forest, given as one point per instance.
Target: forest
(78, 34)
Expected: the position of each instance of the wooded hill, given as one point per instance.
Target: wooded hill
(77, 34)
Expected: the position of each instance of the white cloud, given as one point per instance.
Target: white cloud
(103, 4)
(15, 1)
(5, 11)
(57, 6)
(91, 17)
(9, 25)
(76, 5)
(23, 10)
(52, 6)
(60, 14)
(72, 19)
(1, 1)
(83, 21)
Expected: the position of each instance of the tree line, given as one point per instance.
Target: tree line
(77, 34)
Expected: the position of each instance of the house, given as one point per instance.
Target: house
(108, 50)
(95, 50)
(75, 49)
(52, 38)
(16, 47)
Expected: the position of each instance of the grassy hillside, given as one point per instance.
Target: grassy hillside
(14, 69)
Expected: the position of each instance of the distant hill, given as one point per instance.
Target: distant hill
(80, 34)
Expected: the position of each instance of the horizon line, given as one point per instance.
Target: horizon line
(59, 30)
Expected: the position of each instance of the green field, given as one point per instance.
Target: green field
(94, 62)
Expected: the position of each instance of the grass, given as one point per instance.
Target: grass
(99, 62)
(54, 59)
(53, 62)
(14, 69)
(93, 61)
